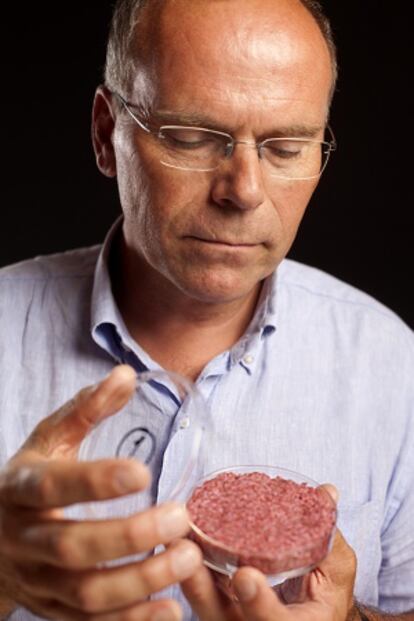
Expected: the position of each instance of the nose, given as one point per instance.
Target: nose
(238, 182)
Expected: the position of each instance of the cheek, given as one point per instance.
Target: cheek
(157, 203)
(132, 179)
(174, 198)
(293, 205)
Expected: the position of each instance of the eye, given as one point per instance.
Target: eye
(188, 138)
(285, 149)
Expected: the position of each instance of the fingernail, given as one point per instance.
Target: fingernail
(246, 589)
(184, 561)
(172, 522)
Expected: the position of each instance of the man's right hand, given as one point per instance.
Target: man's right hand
(52, 565)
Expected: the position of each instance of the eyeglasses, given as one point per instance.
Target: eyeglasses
(201, 149)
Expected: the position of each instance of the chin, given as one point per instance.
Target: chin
(219, 287)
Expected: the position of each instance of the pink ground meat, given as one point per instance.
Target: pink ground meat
(273, 524)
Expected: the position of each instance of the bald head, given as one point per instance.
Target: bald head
(135, 29)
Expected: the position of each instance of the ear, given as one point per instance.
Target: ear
(103, 123)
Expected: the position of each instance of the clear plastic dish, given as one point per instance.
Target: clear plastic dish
(288, 561)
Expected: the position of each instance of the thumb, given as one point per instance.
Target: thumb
(332, 491)
(60, 434)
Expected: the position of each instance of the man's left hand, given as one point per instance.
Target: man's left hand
(326, 594)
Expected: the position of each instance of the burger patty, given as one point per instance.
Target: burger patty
(273, 524)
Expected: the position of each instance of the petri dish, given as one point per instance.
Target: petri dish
(271, 518)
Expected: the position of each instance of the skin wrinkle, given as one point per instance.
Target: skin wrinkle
(143, 36)
(254, 96)
(186, 117)
(242, 46)
(248, 91)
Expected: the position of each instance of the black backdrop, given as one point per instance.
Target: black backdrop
(358, 225)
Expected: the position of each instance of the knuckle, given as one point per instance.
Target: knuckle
(97, 400)
(134, 534)
(86, 596)
(81, 395)
(130, 535)
(89, 481)
(61, 413)
(63, 549)
(45, 488)
(83, 402)
(18, 480)
(151, 576)
(196, 588)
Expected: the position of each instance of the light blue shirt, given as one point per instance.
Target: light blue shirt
(321, 383)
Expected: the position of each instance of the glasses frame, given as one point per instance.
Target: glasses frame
(328, 145)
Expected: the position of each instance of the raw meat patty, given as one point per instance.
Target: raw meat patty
(273, 524)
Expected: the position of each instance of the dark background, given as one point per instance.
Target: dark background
(358, 225)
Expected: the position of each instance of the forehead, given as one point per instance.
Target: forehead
(239, 59)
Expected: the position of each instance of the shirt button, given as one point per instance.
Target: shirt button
(184, 423)
(248, 359)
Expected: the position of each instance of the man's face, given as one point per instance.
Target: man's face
(247, 67)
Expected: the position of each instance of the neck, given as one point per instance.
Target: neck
(180, 333)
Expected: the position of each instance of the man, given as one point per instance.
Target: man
(213, 120)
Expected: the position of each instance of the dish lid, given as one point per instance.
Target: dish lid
(164, 405)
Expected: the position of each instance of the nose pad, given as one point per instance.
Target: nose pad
(228, 150)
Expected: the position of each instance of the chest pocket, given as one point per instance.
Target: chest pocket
(360, 524)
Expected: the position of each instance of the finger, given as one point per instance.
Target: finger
(224, 584)
(56, 483)
(332, 491)
(108, 589)
(201, 592)
(257, 600)
(294, 590)
(143, 611)
(82, 545)
(62, 431)
(340, 565)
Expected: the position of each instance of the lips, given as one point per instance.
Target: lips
(224, 242)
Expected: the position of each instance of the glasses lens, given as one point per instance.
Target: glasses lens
(191, 148)
(295, 159)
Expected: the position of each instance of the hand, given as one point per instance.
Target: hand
(326, 594)
(50, 564)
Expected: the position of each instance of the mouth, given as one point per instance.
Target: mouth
(224, 243)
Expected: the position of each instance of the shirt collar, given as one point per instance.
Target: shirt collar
(262, 325)
(107, 326)
(103, 307)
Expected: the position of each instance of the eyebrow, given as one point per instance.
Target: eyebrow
(167, 117)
